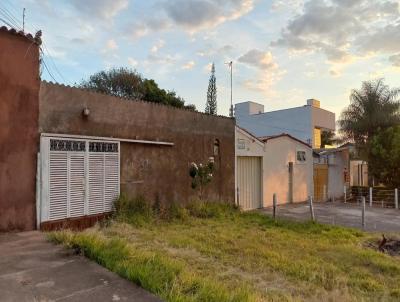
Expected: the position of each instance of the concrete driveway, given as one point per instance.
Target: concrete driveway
(344, 214)
(32, 269)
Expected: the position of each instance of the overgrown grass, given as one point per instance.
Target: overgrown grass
(212, 252)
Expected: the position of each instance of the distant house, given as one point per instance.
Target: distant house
(336, 170)
(278, 164)
(305, 123)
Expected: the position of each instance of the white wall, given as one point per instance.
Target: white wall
(336, 181)
(294, 121)
(278, 153)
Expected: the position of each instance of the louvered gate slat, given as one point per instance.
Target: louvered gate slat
(111, 180)
(58, 185)
(96, 183)
(81, 177)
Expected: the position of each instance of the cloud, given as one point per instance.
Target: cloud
(395, 60)
(188, 65)
(156, 47)
(268, 70)
(106, 9)
(259, 59)
(132, 62)
(343, 30)
(191, 15)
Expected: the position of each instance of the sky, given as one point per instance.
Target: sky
(283, 51)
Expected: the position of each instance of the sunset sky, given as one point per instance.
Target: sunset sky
(284, 51)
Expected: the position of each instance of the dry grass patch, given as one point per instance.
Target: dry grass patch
(198, 254)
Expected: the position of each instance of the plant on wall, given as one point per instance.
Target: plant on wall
(201, 175)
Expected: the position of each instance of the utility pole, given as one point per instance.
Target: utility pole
(23, 20)
(230, 64)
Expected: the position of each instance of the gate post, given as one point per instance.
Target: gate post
(363, 212)
(274, 206)
(310, 200)
(370, 196)
(396, 199)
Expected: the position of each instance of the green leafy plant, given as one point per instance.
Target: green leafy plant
(201, 175)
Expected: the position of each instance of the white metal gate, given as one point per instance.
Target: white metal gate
(78, 177)
(249, 182)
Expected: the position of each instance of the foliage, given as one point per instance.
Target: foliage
(327, 138)
(372, 108)
(127, 83)
(201, 175)
(238, 256)
(384, 162)
(211, 105)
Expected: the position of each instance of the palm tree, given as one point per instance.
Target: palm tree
(372, 108)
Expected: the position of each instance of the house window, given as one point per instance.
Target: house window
(301, 156)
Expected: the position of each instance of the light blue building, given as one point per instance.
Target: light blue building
(305, 123)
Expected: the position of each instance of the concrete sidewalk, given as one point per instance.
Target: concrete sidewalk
(32, 269)
(344, 214)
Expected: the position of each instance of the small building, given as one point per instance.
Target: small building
(281, 165)
(336, 170)
(67, 153)
(305, 122)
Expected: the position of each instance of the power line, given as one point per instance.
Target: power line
(48, 71)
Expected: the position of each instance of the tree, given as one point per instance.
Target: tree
(201, 175)
(384, 162)
(327, 138)
(211, 105)
(373, 108)
(124, 82)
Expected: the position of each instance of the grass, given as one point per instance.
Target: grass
(211, 252)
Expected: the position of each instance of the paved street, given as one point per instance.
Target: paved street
(377, 219)
(32, 269)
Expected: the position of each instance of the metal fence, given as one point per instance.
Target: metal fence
(374, 196)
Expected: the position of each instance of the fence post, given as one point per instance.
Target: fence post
(363, 212)
(345, 194)
(274, 206)
(370, 196)
(324, 193)
(310, 199)
(396, 199)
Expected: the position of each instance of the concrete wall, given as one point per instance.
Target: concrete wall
(19, 89)
(278, 153)
(336, 172)
(294, 121)
(298, 121)
(158, 172)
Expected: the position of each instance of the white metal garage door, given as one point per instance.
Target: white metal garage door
(78, 177)
(249, 182)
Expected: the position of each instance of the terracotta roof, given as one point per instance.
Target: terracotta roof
(267, 138)
(36, 39)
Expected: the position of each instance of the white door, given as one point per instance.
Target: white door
(249, 182)
(78, 177)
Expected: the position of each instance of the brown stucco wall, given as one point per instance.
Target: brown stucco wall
(158, 172)
(19, 89)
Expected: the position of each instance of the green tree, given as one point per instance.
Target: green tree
(211, 105)
(124, 82)
(384, 162)
(373, 108)
(327, 138)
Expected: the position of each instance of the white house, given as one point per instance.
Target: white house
(278, 164)
(305, 123)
